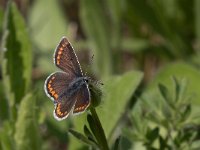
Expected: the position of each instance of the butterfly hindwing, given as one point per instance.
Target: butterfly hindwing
(55, 84)
(77, 102)
(83, 100)
(64, 107)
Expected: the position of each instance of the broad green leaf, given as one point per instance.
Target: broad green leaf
(117, 91)
(26, 128)
(95, 26)
(17, 61)
(47, 24)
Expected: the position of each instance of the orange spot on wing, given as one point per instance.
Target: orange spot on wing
(49, 85)
(50, 89)
(59, 112)
(53, 92)
(56, 96)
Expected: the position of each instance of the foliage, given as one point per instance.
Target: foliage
(172, 125)
(146, 56)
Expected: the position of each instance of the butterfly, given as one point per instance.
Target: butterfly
(68, 88)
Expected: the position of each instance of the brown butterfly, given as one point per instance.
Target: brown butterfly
(67, 88)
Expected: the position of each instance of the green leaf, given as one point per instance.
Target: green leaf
(97, 32)
(3, 104)
(88, 133)
(47, 23)
(176, 88)
(97, 130)
(17, 62)
(117, 92)
(78, 121)
(181, 87)
(6, 140)
(186, 112)
(180, 70)
(162, 142)
(165, 94)
(26, 128)
(82, 138)
(124, 143)
(117, 144)
(152, 135)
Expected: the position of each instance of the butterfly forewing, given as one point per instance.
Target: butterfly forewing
(65, 58)
(56, 83)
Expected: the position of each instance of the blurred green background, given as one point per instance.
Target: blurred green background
(146, 53)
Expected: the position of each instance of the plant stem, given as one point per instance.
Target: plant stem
(102, 138)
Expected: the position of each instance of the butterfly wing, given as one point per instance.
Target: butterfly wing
(66, 59)
(64, 107)
(83, 100)
(78, 102)
(55, 84)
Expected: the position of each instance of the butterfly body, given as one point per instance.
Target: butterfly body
(68, 89)
(74, 87)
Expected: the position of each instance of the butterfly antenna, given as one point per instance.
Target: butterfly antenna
(96, 82)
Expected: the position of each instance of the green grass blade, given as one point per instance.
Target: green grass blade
(26, 128)
(17, 61)
(96, 29)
